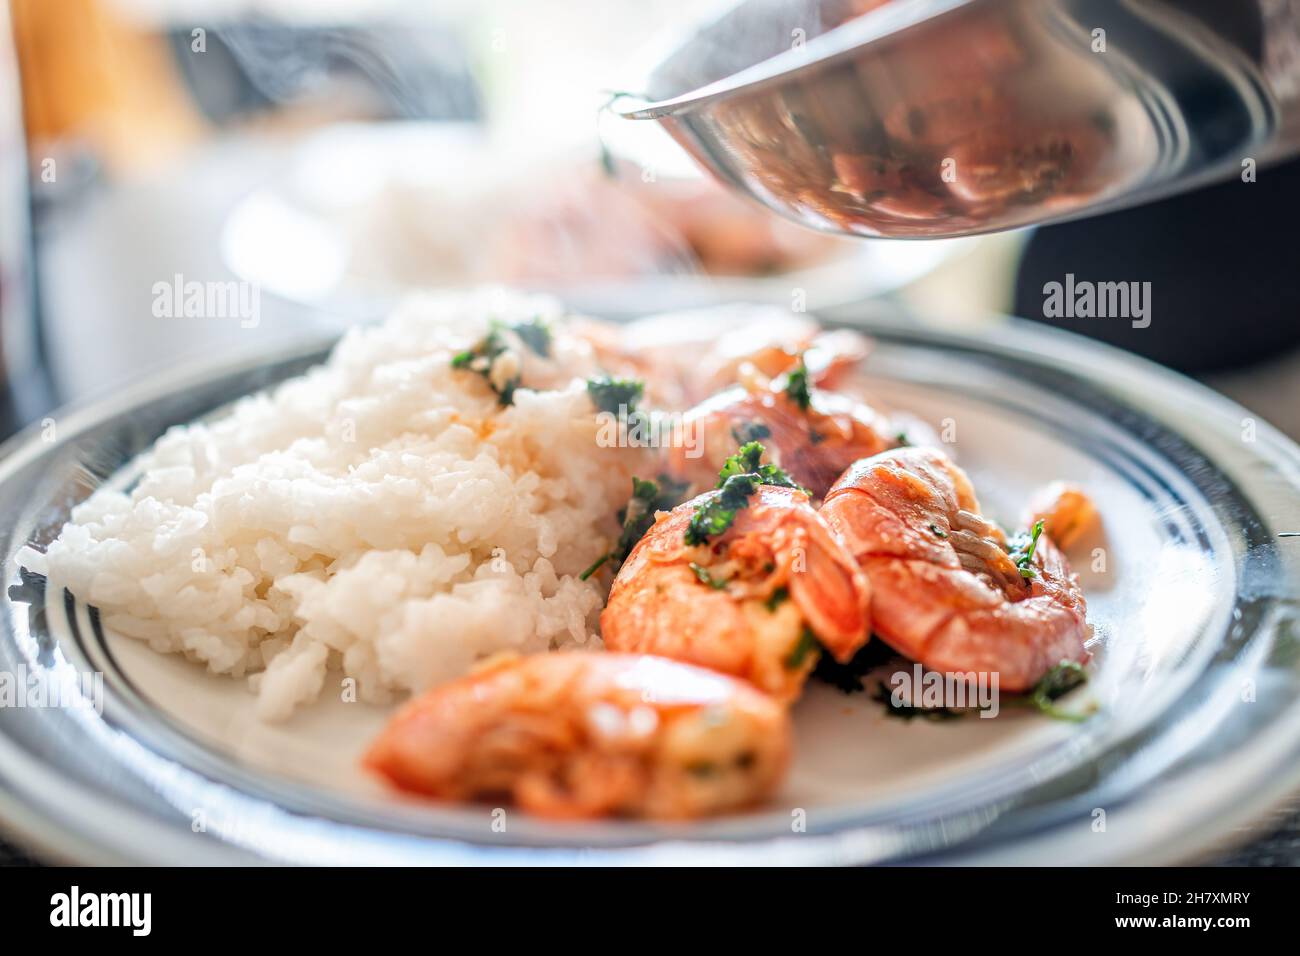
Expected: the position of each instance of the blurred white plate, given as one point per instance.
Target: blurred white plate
(353, 195)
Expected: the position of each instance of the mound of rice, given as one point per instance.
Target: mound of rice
(381, 518)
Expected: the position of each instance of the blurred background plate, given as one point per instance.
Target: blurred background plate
(363, 212)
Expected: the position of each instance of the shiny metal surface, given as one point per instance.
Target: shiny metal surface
(934, 118)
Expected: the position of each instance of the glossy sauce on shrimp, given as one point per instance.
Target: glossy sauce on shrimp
(575, 735)
(754, 601)
(814, 436)
(946, 588)
(685, 357)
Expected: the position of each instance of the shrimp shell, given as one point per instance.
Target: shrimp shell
(582, 734)
(660, 605)
(944, 591)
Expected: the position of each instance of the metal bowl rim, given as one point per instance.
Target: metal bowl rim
(820, 51)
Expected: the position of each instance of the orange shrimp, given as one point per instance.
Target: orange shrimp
(814, 444)
(723, 604)
(1067, 513)
(687, 356)
(944, 589)
(587, 735)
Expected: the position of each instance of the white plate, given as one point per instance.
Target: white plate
(1195, 599)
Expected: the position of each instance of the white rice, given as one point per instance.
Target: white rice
(380, 518)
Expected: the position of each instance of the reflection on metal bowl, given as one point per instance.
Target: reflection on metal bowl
(930, 118)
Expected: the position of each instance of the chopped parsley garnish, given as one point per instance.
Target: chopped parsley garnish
(901, 440)
(807, 644)
(742, 462)
(1022, 551)
(776, 599)
(750, 431)
(479, 358)
(848, 676)
(904, 711)
(612, 394)
(717, 514)
(638, 515)
(595, 566)
(536, 334)
(746, 462)
(739, 478)
(796, 385)
(1055, 684)
(705, 577)
(938, 532)
(483, 356)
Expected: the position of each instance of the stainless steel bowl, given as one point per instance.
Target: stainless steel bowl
(931, 118)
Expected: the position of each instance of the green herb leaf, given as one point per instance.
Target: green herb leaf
(716, 515)
(705, 577)
(776, 599)
(743, 462)
(744, 432)
(1060, 680)
(1022, 551)
(638, 515)
(739, 478)
(612, 394)
(772, 475)
(1055, 684)
(480, 359)
(884, 696)
(536, 334)
(847, 677)
(595, 566)
(746, 462)
(796, 385)
(807, 644)
(647, 498)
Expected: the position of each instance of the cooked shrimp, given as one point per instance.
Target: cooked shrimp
(685, 357)
(588, 735)
(751, 602)
(814, 444)
(944, 589)
(1066, 511)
